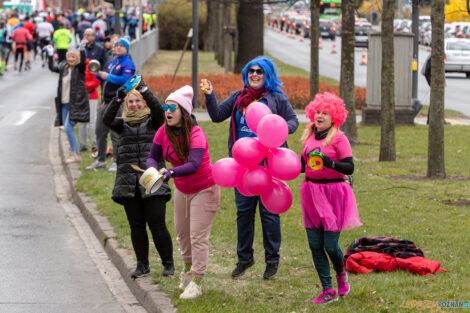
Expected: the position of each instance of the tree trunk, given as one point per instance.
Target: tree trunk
(387, 114)
(210, 28)
(346, 86)
(314, 32)
(228, 30)
(218, 32)
(436, 164)
(250, 32)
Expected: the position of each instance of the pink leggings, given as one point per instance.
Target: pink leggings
(194, 214)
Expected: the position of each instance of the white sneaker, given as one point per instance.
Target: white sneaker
(96, 165)
(191, 291)
(113, 167)
(185, 279)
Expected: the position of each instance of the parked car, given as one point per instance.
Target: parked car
(424, 19)
(337, 23)
(305, 27)
(457, 56)
(447, 30)
(327, 29)
(396, 23)
(404, 26)
(361, 34)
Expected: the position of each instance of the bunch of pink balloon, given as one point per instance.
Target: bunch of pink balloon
(244, 170)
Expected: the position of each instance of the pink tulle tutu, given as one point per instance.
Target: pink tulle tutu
(331, 205)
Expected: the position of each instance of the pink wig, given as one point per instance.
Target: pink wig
(328, 102)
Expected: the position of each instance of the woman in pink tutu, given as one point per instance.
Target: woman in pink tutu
(328, 201)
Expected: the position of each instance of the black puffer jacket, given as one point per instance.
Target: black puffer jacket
(134, 147)
(79, 106)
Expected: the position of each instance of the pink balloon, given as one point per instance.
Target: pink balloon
(272, 130)
(243, 191)
(254, 113)
(284, 163)
(257, 180)
(278, 198)
(249, 151)
(224, 172)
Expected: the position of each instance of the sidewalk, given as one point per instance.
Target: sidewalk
(204, 117)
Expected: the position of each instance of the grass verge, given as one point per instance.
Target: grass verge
(390, 204)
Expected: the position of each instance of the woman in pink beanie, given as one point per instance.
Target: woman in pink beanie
(196, 199)
(327, 200)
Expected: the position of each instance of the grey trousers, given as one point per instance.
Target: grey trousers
(102, 137)
(83, 128)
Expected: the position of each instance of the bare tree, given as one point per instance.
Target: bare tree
(346, 85)
(387, 114)
(210, 28)
(314, 32)
(250, 32)
(436, 165)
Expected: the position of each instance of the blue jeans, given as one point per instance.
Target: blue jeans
(320, 240)
(69, 127)
(271, 224)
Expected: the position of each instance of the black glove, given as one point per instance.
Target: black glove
(120, 94)
(327, 162)
(142, 87)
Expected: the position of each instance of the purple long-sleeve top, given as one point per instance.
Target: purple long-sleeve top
(191, 167)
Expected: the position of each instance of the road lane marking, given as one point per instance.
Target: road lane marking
(24, 116)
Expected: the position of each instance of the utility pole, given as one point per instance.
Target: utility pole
(415, 29)
(117, 16)
(195, 47)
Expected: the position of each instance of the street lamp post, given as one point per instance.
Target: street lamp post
(195, 47)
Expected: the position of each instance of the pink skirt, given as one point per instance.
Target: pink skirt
(331, 205)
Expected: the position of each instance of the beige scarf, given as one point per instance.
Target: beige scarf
(138, 117)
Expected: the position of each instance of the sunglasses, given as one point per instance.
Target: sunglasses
(171, 107)
(257, 71)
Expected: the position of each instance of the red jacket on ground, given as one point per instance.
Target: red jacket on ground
(366, 262)
(91, 82)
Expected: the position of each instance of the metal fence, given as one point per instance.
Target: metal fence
(143, 49)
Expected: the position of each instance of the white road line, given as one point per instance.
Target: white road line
(24, 116)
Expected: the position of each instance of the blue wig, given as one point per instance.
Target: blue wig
(271, 81)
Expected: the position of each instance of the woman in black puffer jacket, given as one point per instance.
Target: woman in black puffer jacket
(142, 116)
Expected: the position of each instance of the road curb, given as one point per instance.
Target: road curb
(144, 291)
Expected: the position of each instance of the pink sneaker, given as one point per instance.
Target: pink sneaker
(343, 284)
(327, 296)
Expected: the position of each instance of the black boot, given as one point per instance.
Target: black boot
(169, 269)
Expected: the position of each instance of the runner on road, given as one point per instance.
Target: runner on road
(62, 38)
(20, 41)
(44, 31)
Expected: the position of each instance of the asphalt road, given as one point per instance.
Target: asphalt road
(44, 265)
(296, 53)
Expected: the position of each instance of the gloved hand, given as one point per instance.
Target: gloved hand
(83, 44)
(120, 93)
(327, 162)
(142, 87)
(50, 50)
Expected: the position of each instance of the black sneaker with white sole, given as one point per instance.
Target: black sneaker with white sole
(141, 270)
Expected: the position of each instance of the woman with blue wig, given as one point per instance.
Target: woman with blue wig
(261, 84)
